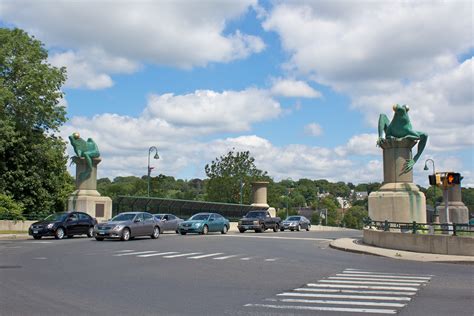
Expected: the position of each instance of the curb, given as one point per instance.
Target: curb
(14, 236)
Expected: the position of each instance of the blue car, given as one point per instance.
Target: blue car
(203, 223)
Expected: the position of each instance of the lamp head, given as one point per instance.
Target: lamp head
(156, 156)
(426, 167)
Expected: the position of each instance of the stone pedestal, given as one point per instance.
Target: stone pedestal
(399, 199)
(259, 196)
(458, 212)
(86, 198)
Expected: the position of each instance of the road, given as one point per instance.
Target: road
(284, 273)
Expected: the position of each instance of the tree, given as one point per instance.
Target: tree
(32, 160)
(226, 175)
(354, 217)
(9, 209)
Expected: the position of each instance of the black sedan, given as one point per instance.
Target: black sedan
(295, 223)
(64, 224)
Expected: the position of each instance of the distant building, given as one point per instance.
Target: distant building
(360, 195)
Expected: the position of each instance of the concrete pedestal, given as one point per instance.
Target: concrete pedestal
(259, 196)
(458, 212)
(399, 199)
(86, 198)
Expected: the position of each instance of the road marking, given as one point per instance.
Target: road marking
(133, 253)
(225, 257)
(355, 297)
(246, 259)
(157, 254)
(39, 242)
(277, 237)
(377, 279)
(386, 276)
(333, 309)
(354, 291)
(294, 300)
(125, 250)
(183, 255)
(367, 287)
(271, 259)
(205, 256)
(382, 273)
(369, 282)
(40, 258)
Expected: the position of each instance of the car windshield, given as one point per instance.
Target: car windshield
(158, 216)
(58, 217)
(123, 217)
(199, 217)
(256, 214)
(293, 218)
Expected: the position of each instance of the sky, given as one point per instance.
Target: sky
(299, 84)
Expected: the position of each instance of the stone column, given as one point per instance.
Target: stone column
(86, 198)
(458, 212)
(259, 196)
(399, 199)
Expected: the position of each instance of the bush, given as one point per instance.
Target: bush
(10, 209)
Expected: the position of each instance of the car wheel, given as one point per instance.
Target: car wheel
(90, 232)
(224, 230)
(282, 229)
(183, 233)
(37, 237)
(177, 231)
(308, 227)
(298, 228)
(275, 228)
(99, 238)
(205, 230)
(125, 234)
(242, 230)
(156, 232)
(59, 233)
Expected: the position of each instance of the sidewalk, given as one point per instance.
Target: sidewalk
(356, 245)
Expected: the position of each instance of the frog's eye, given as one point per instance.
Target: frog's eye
(407, 108)
(394, 107)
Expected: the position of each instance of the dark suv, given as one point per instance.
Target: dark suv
(64, 224)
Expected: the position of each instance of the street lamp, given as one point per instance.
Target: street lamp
(241, 190)
(150, 168)
(435, 214)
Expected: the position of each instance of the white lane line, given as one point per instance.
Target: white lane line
(366, 287)
(305, 289)
(275, 237)
(246, 259)
(183, 255)
(384, 273)
(40, 258)
(206, 256)
(355, 297)
(369, 282)
(332, 309)
(272, 259)
(386, 276)
(355, 303)
(377, 279)
(133, 253)
(125, 250)
(225, 257)
(157, 254)
(39, 242)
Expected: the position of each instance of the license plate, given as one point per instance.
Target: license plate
(101, 233)
(246, 226)
(35, 232)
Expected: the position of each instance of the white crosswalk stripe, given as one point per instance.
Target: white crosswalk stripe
(183, 255)
(157, 254)
(132, 253)
(354, 291)
(225, 257)
(206, 256)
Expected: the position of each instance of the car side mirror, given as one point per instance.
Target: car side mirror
(137, 220)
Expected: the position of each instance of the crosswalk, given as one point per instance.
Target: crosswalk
(352, 291)
(220, 256)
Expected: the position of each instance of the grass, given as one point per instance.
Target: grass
(13, 232)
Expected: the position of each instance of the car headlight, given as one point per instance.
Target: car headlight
(292, 224)
(118, 227)
(50, 225)
(198, 225)
(255, 222)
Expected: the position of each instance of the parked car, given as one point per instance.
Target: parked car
(63, 224)
(259, 221)
(295, 223)
(202, 223)
(128, 225)
(168, 222)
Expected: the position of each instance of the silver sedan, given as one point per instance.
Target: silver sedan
(128, 225)
(296, 222)
(168, 222)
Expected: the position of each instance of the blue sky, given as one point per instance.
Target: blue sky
(299, 84)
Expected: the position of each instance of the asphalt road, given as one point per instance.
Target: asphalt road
(284, 273)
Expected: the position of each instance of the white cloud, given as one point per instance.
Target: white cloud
(313, 129)
(175, 33)
(294, 88)
(363, 144)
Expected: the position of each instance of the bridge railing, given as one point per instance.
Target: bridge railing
(416, 228)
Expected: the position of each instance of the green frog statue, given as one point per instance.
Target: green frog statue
(84, 149)
(400, 128)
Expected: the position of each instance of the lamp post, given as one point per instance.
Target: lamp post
(435, 213)
(150, 168)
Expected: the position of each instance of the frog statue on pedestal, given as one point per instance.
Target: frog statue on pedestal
(400, 128)
(84, 149)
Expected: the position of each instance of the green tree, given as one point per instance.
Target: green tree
(32, 160)
(10, 209)
(227, 173)
(354, 217)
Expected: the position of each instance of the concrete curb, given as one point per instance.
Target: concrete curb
(356, 245)
(15, 236)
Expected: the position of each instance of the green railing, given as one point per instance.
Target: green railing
(414, 227)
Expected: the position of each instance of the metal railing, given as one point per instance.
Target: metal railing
(414, 227)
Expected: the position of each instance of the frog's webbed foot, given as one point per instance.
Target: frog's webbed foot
(408, 166)
(380, 141)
